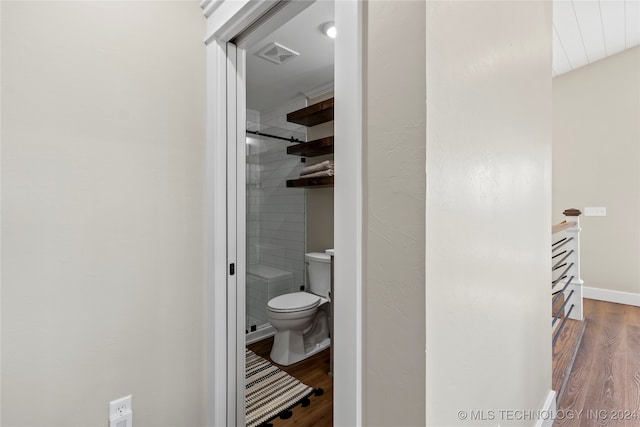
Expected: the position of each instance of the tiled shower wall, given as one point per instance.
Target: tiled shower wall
(275, 214)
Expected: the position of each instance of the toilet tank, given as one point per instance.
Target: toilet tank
(319, 268)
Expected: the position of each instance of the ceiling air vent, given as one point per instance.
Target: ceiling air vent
(277, 53)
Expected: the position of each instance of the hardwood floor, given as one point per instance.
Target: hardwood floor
(314, 373)
(604, 386)
(564, 354)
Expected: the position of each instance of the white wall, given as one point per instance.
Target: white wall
(102, 212)
(596, 162)
(488, 212)
(488, 161)
(319, 200)
(394, 200)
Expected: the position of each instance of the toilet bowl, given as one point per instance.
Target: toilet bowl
(300, 319)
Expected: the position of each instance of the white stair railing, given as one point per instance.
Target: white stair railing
(567, 284)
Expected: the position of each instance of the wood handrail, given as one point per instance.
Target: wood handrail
(562, 226)
(572, 212)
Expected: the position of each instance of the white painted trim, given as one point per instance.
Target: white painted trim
(577, 300)
(608, 295)
(215, 235)
(548, 411)
(274, 18)
(233, 389)
(574, 245)
(241, 232)
(231, 17)
(348, 214)
(208, 6)
(317, 91)
(0, 223)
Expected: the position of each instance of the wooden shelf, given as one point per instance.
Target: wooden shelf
(312, 115)
(314, 148)
(323, 181)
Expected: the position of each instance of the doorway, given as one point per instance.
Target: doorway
(225, 304)
(288, 211)
(286, 70)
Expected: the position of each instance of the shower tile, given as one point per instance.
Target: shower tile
(276, 218)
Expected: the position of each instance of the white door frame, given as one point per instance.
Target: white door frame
(236, 233)
(224, 341)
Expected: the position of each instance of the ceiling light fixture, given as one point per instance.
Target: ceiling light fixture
(329, 29)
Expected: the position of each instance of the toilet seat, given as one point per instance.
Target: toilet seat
(296, 301)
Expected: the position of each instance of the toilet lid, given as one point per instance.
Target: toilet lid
(296, 301)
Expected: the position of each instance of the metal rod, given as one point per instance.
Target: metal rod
(562, 275)
(553, 293)
(564, 242)
(553, 302)
(561, 240)
(555, 267)
(563, 289)
(557, 255)
(557, 335)
(291, 139)
(558, 279)
(561, 265)
(555, 318)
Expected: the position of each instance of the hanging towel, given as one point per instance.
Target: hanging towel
(322, 166)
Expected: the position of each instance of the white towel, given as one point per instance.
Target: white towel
(322, 166)
(318, 174)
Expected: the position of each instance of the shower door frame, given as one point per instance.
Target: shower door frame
(225, 204)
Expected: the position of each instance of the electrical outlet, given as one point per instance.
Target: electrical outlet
(122, 421)
(120, 407)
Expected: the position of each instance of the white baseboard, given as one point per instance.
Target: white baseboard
(611, 296)
(548, 411)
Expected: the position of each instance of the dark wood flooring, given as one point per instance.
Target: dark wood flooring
(564, 354)
(314, 373)
(603, 388)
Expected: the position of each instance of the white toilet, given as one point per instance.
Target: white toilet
(301, 324)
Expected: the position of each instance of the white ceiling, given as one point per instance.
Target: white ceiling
(585, 31)
(270, 85)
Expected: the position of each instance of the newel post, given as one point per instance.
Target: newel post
(573, 215)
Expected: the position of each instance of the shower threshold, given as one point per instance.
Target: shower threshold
(264, 331)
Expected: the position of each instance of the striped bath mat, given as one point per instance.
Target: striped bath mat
(270, 391)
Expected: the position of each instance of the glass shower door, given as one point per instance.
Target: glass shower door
(275, 223)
